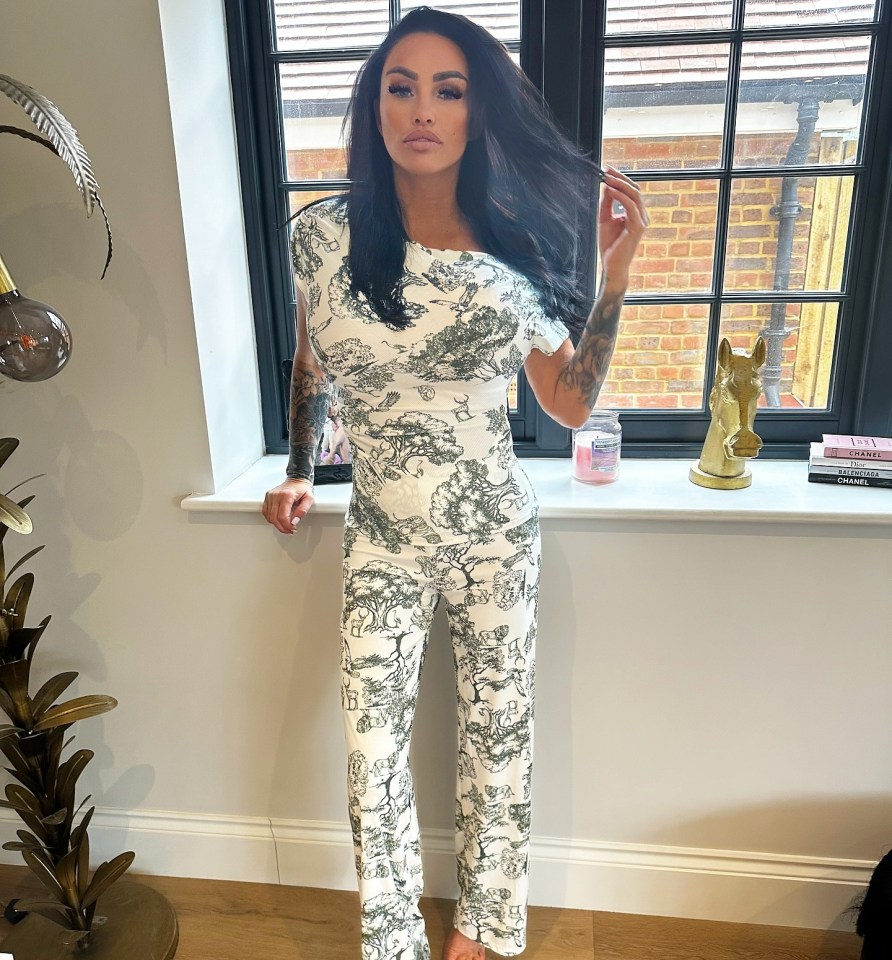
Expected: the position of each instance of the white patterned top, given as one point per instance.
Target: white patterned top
(425, 407)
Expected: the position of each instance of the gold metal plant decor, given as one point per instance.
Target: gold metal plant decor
(730, 440)
(57, 851)
(62, 139)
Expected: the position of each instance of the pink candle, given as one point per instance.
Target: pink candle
(595, 456)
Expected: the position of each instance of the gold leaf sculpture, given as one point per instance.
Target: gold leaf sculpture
(62, 139)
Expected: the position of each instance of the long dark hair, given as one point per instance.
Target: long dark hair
(527, 191)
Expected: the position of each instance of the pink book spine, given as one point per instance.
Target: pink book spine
(858, 448)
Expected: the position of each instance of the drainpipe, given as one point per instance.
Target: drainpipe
(786, 212)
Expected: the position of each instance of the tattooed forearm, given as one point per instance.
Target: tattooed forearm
(587, 368)
(310, 396)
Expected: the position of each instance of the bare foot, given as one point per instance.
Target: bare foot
(460, 947)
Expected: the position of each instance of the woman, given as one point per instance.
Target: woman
(420, 294)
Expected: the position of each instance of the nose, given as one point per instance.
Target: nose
(424, 112)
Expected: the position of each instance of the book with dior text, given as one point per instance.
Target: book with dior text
(841, 465)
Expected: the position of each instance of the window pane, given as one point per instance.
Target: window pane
(810, 88)
(664, 107)
(329, 24)
(297, 199)
(679, 246)
(512, 396)
(800, 339)
(795, 241)
(639, 16)
(806, 13)
(500, 17)
(314, 101)
(659, 358)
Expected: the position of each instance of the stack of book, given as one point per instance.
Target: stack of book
(851, 461)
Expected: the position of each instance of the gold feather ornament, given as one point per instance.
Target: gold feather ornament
(62, 139)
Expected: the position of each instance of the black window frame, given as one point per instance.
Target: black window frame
(567, 69)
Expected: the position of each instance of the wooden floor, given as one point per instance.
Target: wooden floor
(225, 920)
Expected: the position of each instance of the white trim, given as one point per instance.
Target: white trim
(646, 490)
(737, 886)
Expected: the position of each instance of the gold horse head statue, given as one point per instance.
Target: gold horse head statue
(731, 440)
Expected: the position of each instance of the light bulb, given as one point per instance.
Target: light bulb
(35, 342)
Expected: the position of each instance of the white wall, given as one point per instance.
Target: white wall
(678, 709)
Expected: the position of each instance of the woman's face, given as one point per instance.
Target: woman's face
(422, 110)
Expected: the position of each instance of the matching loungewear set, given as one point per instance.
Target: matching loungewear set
(440, 508)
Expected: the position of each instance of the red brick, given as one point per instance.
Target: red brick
(746, 263)
(703, 199)
(683, 386)
(694, 265)
(645, 357)
(641, 386)
(685, 356)
(666, 401)
(754, 230)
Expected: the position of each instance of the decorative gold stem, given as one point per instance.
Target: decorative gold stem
(7, 284)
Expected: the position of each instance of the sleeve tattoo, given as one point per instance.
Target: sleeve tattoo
(587, 368)
(310, 397)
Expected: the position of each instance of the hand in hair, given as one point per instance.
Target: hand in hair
(619, 233)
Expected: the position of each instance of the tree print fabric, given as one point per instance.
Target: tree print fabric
(424, 408)
(440, 509)
(490, 587)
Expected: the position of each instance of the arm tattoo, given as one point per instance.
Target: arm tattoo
(310, 395)
(587, 368)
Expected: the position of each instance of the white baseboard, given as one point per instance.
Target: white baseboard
(736, 886)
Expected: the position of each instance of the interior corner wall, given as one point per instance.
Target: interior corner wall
(699, 687)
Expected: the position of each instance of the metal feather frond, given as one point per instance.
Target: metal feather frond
(51, 122)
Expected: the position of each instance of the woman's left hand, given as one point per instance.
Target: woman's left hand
(620, 233)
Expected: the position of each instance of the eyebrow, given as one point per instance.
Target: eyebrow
(444, 75)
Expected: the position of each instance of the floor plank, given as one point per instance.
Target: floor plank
(227, 920)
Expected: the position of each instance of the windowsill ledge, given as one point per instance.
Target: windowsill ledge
(646, 490)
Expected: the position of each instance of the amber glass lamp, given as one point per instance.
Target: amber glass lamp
(35, 342)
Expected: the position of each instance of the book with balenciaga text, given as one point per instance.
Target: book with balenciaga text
(862, 470)
(857, 448)
(815, 476)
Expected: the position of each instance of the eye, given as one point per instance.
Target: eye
(451, 93)
(399, 90)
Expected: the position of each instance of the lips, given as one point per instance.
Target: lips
(422, 135)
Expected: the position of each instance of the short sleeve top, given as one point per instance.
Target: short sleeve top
(424, 407)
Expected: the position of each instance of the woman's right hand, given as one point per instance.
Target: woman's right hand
(287, 504)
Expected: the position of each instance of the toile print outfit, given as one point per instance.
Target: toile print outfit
(440, 509)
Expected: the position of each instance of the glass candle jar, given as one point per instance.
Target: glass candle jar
(596, 448)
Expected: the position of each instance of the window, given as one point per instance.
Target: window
(753, 128)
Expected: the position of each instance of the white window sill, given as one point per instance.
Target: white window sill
(645, 490)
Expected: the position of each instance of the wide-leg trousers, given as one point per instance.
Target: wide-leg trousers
(490, 586)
